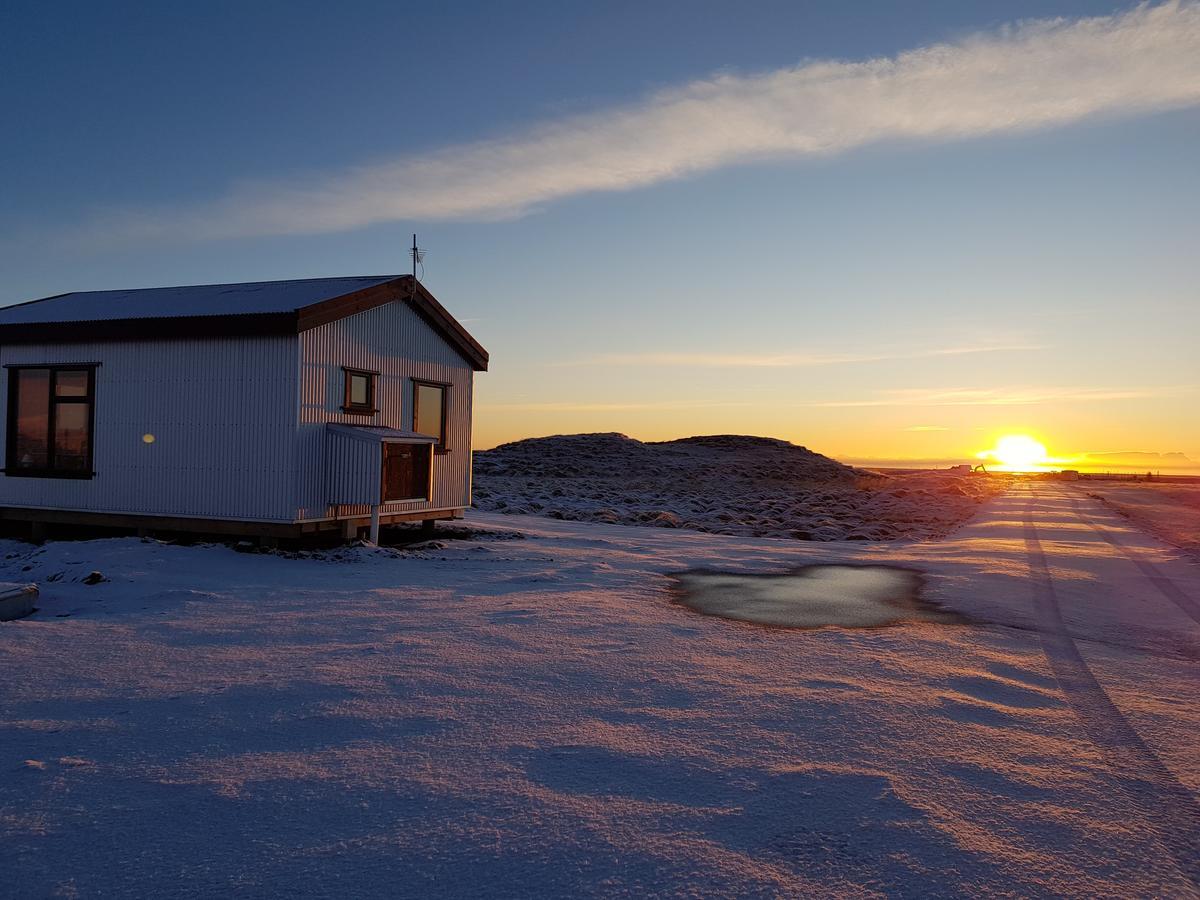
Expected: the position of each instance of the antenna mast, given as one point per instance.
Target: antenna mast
(418, 256)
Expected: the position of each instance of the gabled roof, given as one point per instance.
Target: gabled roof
(220, 310)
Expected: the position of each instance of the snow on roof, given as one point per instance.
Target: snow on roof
(191, 300)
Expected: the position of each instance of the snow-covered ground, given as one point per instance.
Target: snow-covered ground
(537, 716)
(721, 484)
(1168, 509)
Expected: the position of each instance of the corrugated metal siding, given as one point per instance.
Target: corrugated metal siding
(394, 341)
(223, 415)
(355, 468)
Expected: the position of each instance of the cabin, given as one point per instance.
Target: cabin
(271, 409)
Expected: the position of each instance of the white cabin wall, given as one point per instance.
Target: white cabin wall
(354, 467)
(222, 412)
(396, 342)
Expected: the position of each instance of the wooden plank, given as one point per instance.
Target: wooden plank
(165, 328)
(159, 523)
(210, 526)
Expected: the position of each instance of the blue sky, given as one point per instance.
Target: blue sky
(910, 288)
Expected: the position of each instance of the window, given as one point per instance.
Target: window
(50, 421)
(429, 411)
(406, 471)
(359, 394)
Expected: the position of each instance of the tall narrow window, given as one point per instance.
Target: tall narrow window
(50, 421)
(429, 411)
(359, 392)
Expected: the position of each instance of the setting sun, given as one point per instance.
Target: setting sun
(1018, 453)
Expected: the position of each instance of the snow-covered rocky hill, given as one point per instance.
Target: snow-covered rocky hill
(722, 484)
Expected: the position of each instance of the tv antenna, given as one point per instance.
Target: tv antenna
(418, 258)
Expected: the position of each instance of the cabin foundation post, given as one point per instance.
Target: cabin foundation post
(37, 532)
(374, 534)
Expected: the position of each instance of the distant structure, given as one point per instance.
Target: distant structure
(963, 469)
(272, 409)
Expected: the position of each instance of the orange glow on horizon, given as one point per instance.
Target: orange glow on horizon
(1018, 453)
(879, 439)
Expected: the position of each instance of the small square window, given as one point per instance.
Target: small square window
(359, 392)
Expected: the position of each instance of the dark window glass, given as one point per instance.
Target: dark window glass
(32, 449)
(71, 437)
(50, 421)
(359, 394)
(429, 411)
(406, 469)
(71, 384)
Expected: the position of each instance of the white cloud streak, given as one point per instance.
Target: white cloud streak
(1031, 75)
(783, 360)
(1014, 396)
(577, 407)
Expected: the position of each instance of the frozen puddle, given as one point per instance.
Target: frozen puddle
(813, 597)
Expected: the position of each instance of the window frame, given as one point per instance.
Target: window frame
(370, 408)
(53, 402)
(440, 446)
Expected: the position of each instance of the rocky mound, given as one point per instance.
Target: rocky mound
(725, 484)
(617, 457)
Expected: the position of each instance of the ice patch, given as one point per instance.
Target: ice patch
(813, 597)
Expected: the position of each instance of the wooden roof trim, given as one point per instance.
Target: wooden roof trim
(165, 328)
(450, 328)
(325, 311)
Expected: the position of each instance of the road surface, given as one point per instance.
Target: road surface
(1096, 583)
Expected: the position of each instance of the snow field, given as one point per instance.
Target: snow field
(505, 718)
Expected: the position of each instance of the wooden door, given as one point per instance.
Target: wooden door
(407, 471)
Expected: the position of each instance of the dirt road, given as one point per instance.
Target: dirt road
(1094, 578)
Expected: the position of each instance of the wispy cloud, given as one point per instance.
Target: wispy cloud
(1014, 396)
(1139, 461)
(782, 360)
(1140, 456)
(1031, 75)
(926, 428)
(574, 406)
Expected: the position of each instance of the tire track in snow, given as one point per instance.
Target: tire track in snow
(1165, 585)
(1168, 808)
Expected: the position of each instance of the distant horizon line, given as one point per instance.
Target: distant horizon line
(1175, 462)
